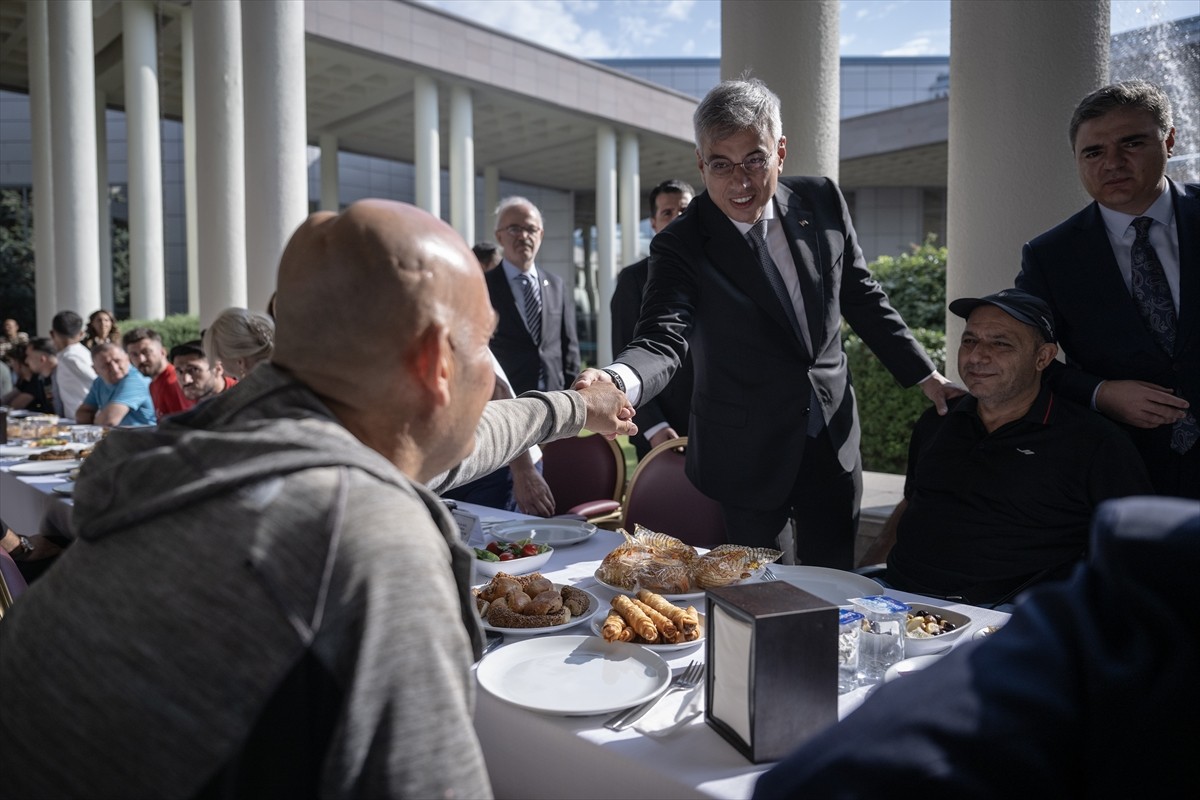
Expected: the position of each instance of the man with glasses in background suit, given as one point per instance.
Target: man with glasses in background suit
(535, 340)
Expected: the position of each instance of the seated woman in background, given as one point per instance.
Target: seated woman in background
(240, 339)
(101, 329)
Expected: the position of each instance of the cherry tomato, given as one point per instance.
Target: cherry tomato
(507, 556)
(530, 550)
(494, 547)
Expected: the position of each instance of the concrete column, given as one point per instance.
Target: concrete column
(793, 48)
(491, 199)
(104, 206)
(221, 184)
(37, 37)
(606, 227)
(276, 138)
(1011, 171)
(462, 163)
(147, 282)
(329, 172)
(631, 199)
(191, 227)
(73, 150)
(428, 165)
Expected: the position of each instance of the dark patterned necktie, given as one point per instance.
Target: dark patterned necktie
(1152, 294)
(533, 308)
(758, 240)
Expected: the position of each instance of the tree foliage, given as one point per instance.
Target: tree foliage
(17, 290)
(915, 283)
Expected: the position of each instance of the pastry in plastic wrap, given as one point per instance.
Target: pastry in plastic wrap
(731, 563)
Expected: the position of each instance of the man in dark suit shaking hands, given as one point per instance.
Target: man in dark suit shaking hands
(1123, 280)
(774, 427)
(535, 340)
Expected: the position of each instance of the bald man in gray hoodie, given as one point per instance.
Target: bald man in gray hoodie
(266, 597)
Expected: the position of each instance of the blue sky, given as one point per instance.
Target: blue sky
(675, 28)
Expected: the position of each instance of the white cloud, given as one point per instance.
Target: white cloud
(550, 23)
(679, 10)
(688, 48)
(918, 46)
(861, 13)
(640, 32)
(846, 40)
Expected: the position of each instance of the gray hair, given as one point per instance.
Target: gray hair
(514, 201)
(734, 106)
(240, 333)
(1126, 94)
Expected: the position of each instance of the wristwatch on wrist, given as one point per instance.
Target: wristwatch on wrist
(23, 549)
(616, 378)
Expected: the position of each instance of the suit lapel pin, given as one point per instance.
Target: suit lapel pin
(803, 223)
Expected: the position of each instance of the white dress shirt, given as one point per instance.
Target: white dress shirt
(72, 378)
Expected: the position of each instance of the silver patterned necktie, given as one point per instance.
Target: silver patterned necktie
(533, 308)
(1152, 295)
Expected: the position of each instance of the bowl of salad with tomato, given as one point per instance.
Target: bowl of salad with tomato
(515, 558)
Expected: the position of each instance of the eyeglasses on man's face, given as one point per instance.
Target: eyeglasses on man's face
(753, 165)
(522, 230)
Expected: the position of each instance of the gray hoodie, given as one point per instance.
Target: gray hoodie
(258, 605)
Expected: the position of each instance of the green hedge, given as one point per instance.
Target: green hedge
(887, 412)
(175, 329)
(915, 283)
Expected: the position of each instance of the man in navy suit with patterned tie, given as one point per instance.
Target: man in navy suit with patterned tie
(1123, 279)
(535, 340)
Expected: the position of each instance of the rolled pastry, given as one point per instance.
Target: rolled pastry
(666, 629)
(637, 619)
(615, 629)
(679, 618)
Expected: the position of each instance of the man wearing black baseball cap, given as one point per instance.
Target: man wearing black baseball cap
(1001, 490)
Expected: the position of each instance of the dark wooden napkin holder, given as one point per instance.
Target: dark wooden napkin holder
(771, 682)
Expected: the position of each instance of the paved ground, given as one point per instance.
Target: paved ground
(881, 492)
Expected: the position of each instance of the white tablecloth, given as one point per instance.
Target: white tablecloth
(25, 498)
(532, 755)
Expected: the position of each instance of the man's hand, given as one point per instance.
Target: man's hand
(665, 435)
(940, 390)
(1140, 404)
(590, 376)
(608, 410)
(530, 491)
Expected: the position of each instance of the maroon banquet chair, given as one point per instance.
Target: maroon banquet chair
(586, 474)
(663, 499)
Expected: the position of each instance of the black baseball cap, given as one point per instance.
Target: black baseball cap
(1021, 306)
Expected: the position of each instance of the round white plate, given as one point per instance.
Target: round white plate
(573, 675)
(64, 488)
(598, 623)
(554, 532)
(831, 585)
(593, 609)
(908, 666)
(698, 595)
(15, 450)
(43, 467)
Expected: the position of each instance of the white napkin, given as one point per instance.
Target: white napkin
(672, 713)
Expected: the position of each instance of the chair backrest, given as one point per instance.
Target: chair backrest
(12, 583)
(663, 499)
(582, 470)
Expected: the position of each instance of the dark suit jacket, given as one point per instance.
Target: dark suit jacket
(1072, 267)
(754, 374)
(674, 404)
(1083, 672)
(514, 347)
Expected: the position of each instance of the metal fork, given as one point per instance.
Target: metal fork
(768, 575)
(687, 679)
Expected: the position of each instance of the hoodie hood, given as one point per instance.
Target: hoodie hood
(230, 442)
